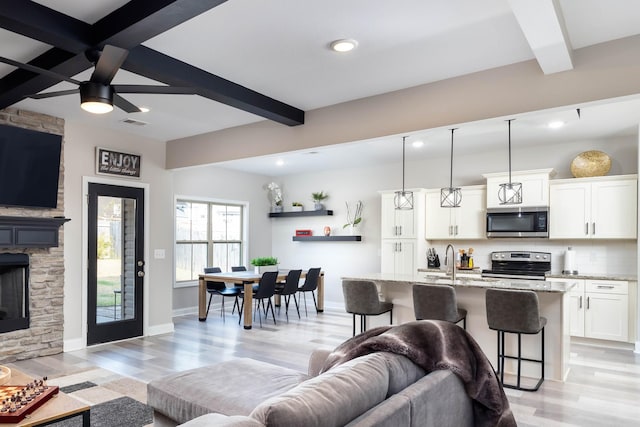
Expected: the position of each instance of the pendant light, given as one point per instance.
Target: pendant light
(510, 193)
(403, 200)
(450, 197)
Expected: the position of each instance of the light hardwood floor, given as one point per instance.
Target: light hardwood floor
(603, 387)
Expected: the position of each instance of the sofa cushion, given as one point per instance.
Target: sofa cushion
(439, 399)
(220, 420)
(402, 372)
(393, 412)
(331, 399)
(233, 387)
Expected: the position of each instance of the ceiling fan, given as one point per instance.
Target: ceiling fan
(98, 95)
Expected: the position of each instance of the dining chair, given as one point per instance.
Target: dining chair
(266, 289)
(239, 268)
(220, 288)
(310, 285)
(288, 289)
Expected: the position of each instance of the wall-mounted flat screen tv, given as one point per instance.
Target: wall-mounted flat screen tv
(29, 167)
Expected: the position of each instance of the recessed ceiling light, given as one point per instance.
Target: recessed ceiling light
(280, 162)
(344, 45)
(555, 124)
(144, 109)
(417, 144)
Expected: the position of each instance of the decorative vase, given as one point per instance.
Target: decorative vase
(259, 269)
(318, 206)
(297, 208)
(327, 230)
(277, 209)
(353, 230)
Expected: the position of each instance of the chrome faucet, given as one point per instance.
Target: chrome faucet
(453, 261)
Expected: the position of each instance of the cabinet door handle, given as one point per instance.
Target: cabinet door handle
(593, 228)
(400, 234)
(400, 247)
(450, 230)
(586, 228)
(580, 302)
(456, 230)
(588, 298)
(605, 286)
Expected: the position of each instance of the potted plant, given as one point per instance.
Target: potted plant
(318, 197)
(297, 207)
(263, 264)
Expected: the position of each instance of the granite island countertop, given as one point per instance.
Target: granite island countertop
(483, 282)
(581, 276)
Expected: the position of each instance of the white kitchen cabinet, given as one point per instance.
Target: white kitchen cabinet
(398, 222)
(465, 222)
(535, 186)
(398, 256)
(593, 208)
(599, 309)
(403, 248)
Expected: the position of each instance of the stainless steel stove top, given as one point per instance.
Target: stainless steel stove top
(519, 265)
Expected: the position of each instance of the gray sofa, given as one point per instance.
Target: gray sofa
(379, 389)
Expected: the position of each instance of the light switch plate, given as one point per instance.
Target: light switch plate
(158, 253)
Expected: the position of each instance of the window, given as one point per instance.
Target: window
(208, 234)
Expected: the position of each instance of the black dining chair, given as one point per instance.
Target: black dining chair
(310, 285)
(288, 289)
(239, 268)
(220, 288)
(266, 289)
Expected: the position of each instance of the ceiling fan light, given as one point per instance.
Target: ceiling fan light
(96, 98)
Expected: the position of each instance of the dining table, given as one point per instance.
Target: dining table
(246, 278)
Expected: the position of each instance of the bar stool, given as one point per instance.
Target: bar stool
(437, 302)
(361, 298)
(515, 312)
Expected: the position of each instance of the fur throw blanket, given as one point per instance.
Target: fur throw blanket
(434, 345)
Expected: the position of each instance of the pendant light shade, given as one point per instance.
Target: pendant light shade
(510, 193)
(450, 197)
(403, 200)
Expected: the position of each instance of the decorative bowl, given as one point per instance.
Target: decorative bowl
(591, 163)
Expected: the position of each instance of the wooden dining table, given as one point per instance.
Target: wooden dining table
(246, 278)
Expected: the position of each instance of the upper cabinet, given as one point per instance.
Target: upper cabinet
(398, 223)
(464, 222)
(594, 208)
(535, 186)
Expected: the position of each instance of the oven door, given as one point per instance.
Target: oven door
(518, 222)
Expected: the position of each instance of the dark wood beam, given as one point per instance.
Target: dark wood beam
(163, 68)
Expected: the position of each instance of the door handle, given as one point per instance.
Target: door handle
(586, 228)
(140, 273)
(588, 302)
(456, 229)
(593, 228)
(580, 303)
(605, 286)
(140, 263)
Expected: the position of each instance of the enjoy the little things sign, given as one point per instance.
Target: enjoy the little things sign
(117, 163)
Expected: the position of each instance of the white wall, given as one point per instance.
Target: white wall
(79, 162)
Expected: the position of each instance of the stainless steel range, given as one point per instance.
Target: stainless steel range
(519, 265)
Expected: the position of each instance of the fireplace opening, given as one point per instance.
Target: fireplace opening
(14, 292)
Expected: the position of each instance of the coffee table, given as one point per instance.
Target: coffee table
(58, 408)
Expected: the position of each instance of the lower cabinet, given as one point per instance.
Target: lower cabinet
(599, 309)
(399, 256)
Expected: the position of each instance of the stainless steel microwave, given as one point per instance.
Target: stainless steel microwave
(518, 222)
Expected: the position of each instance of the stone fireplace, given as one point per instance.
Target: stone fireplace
(45, 271)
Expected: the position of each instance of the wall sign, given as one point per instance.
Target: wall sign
(111, 162)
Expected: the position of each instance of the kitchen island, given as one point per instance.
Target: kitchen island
(470, 292)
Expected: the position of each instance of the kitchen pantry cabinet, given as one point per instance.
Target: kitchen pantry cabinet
(535, 186)
(465, 222)
(599, 309)
(593, 208)
(403, 245)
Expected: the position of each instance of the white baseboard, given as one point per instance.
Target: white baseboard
(166, 328)
(185, 311)
(73, 344)
(637, 350)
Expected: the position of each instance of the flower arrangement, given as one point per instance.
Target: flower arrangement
(356, 218)
(275, 194)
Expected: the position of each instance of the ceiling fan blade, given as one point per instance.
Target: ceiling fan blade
(125, 105)
(171, 90)
(108, 64)
(52, 94)
(38, 70)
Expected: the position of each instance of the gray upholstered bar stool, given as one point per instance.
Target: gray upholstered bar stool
(437, 302)
(515, 312)
(361, 298)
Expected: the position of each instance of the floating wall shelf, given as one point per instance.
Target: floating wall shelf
(327, 238)
(323, 212)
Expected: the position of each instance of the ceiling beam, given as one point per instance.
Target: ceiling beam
(127, 27)
(160, 67)
(543, 26)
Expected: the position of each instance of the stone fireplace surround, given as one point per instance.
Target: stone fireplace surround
(46, 265)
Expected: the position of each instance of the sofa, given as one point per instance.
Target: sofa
(377, 389)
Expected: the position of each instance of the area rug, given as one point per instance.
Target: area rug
(110, 407)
